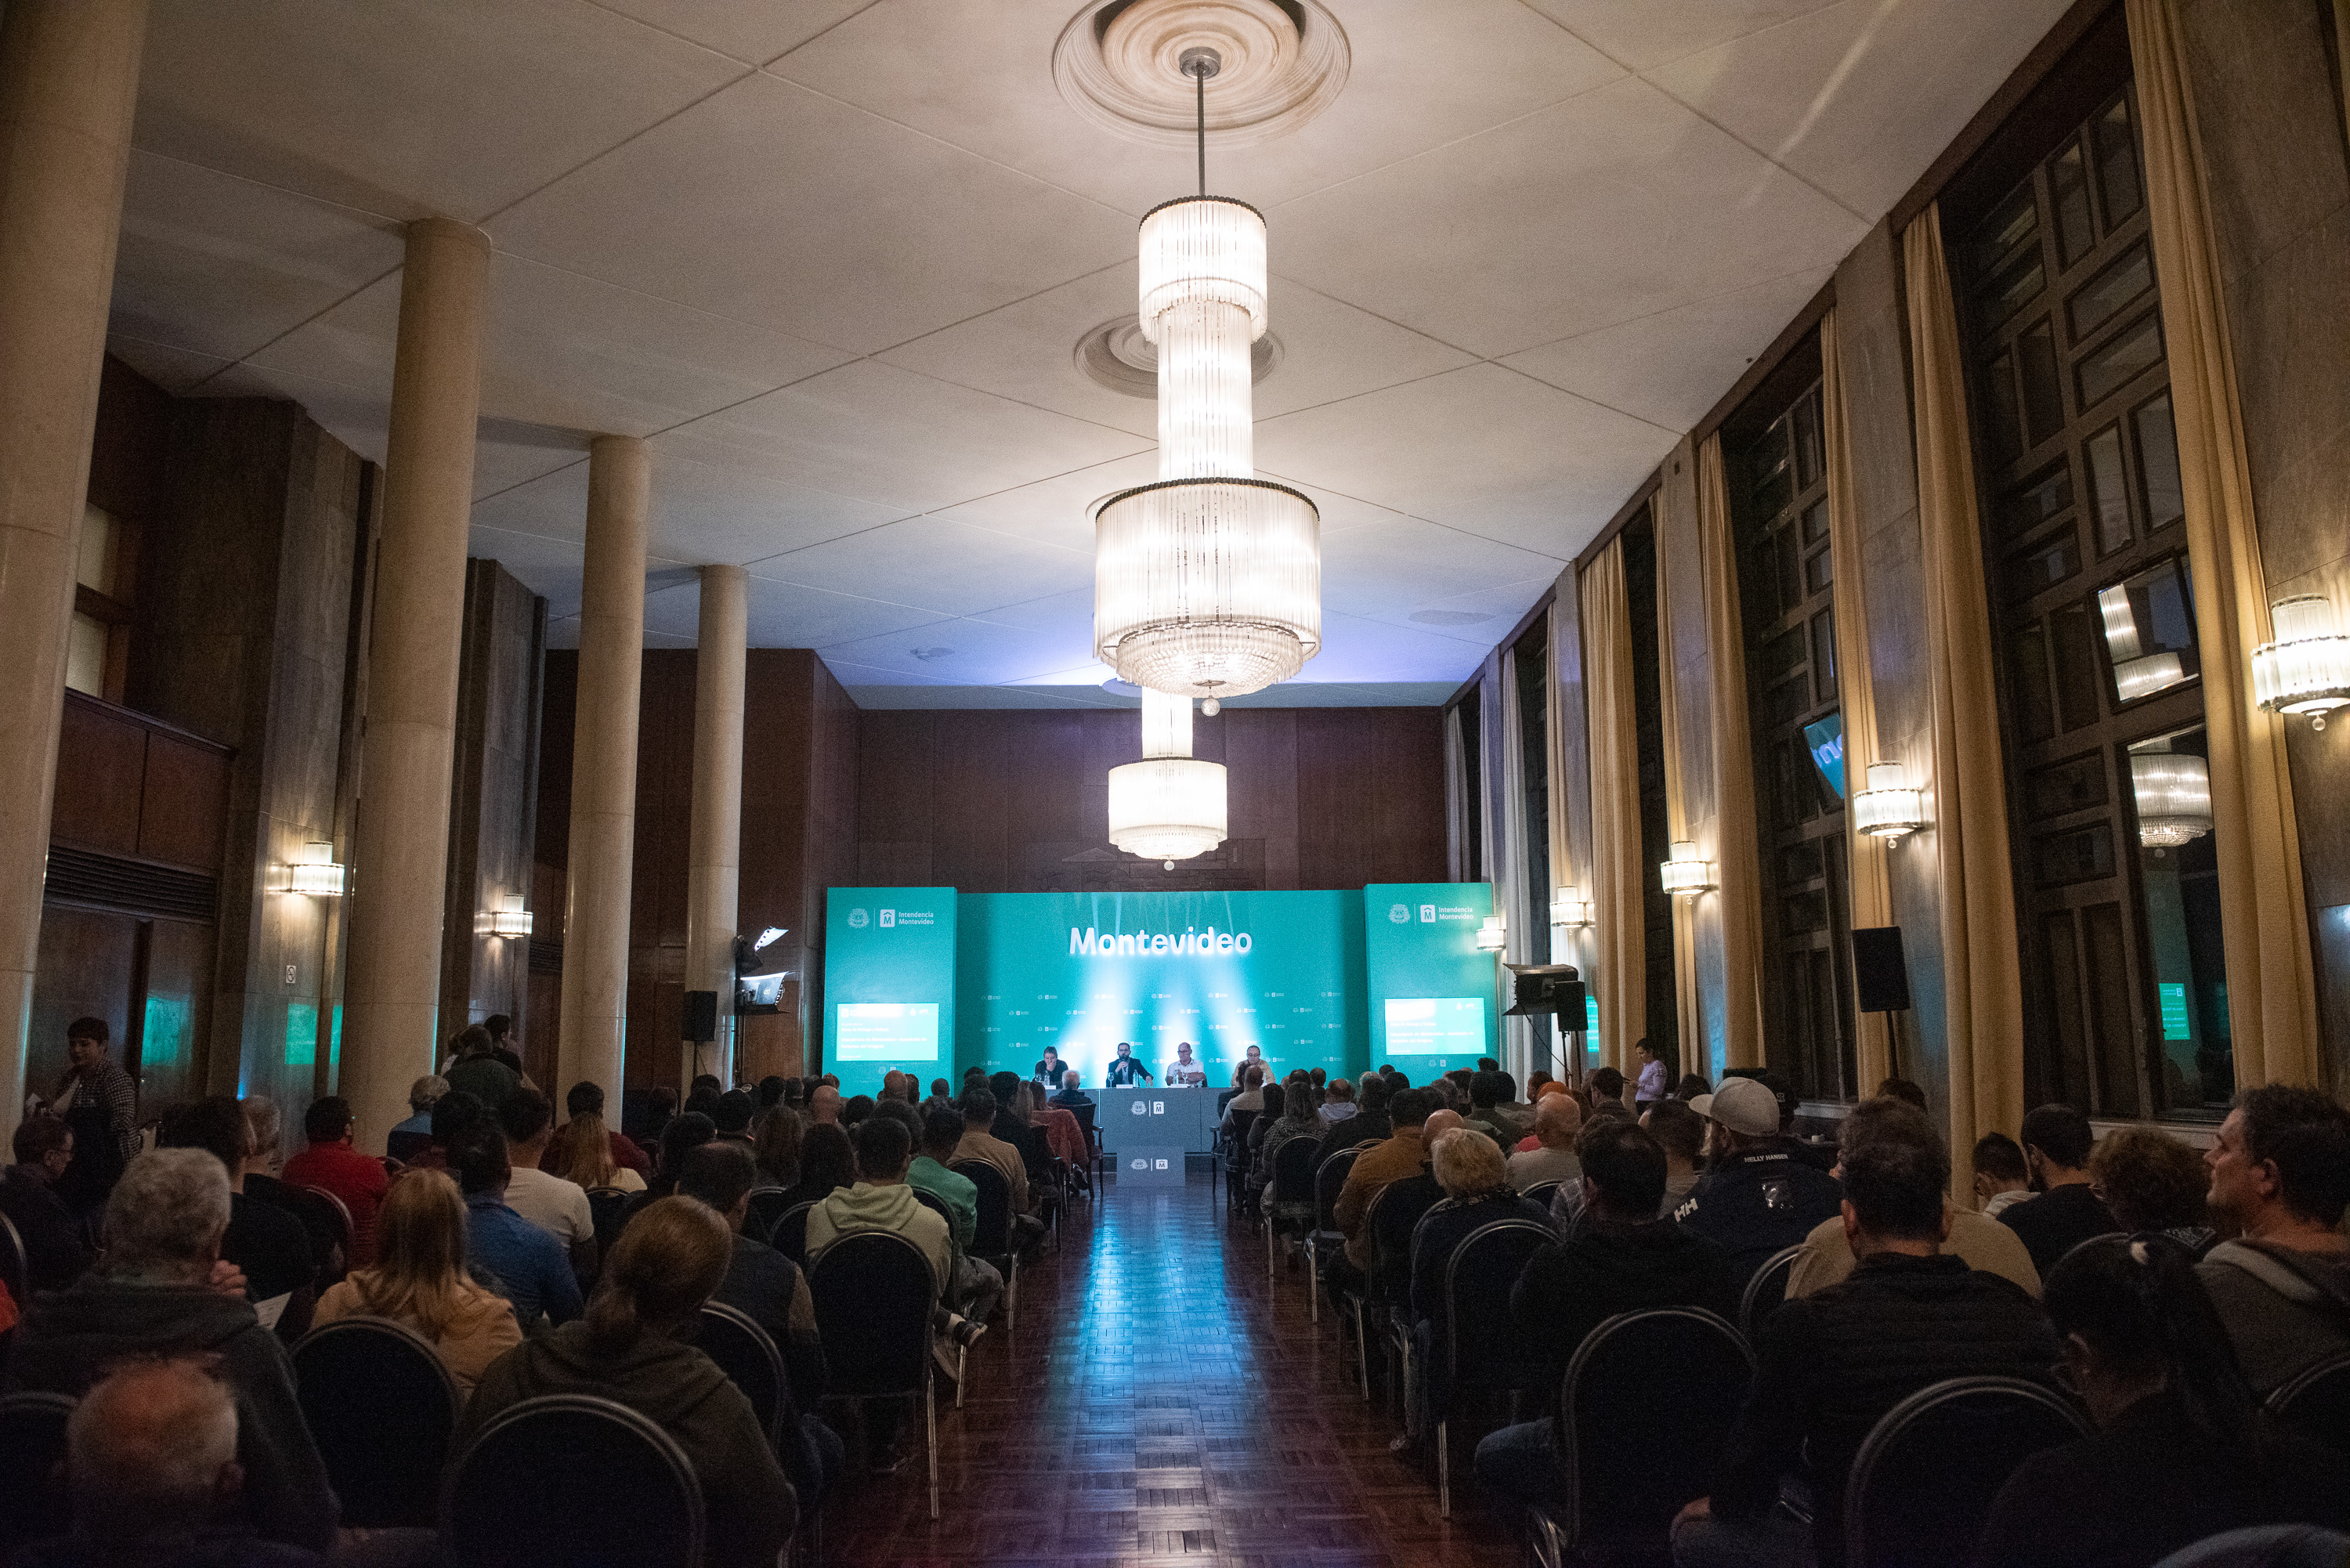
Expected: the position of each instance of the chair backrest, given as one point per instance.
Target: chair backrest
(993, 1237)
(1330, 1180)
(608, 1206)
(14, 1267)
(766, 1207)
(1645, 1410)
(1766, 1291)
(936, 1205)
(1085, 1115)
(329, 1202)
(2318, 1402)
(1243, 1121)
(746, 1353)
(32, 1447)
(874, 1291)
(1482, 1347)
(382, 1409)
(572, 1479)
(1292, 1170)
(790, 1234)
(1541, 1192)
(1923, 1482)
(1392, 1222)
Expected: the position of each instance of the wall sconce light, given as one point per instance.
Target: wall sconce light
(314, 873)
(2307, 669)
(509, 919)
(1568, 906)
(1493, 936)
(1889, 807)
(1685, 875)
(2174, 798)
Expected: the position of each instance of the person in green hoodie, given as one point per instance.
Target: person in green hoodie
(162, 1291)
(667, 1263)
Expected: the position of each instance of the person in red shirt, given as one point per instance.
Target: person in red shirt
(331, 1165)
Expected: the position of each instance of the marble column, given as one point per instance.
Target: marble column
(401, 853)
(713, 871)
(604, 770)
(68, 83)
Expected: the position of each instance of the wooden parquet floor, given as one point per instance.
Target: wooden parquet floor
(1155, 1407)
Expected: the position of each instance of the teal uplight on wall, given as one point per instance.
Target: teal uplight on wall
(164, 1034)
(301, 1034)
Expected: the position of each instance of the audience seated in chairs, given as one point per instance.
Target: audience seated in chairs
(2153, 1183)
(2280, 1181)
(407, 1140)
(776, 1141)
(1252, 1079)
(2002, 1178)
(1756, 1197)
(2065, 1211)
(584, 1152)
(1405, 1202)
(980, 1115)
(1622, 1258)
(1681, 1132)
(1557, 1120)
(1985, 1243)
(1369, 1124)
(152, 1468)
(453, 1113)
(418, 1280)
(1831, 1365)
(1300, 1118)
(266, 1241)
(555, 1204)
(528, 1266)
(1395, 1156)
(630, 1347)
(978, 1289)
(332, 1163)
(1337, 1103)
(1467, 1168)
(1065, 1136)
(2181, 1449)
(163, 1291)
(769, 1289)
(828, 1163)
(324, 1222)
(53, 1249)
(1071, 1095)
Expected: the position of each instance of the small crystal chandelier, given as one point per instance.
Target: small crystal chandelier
(1686, 875)
(1207, 583)
(1889, 807)
(1569, 908)
(2307, 669)
(1170, 806)
(2174, 798)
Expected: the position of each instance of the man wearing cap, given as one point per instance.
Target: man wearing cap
(1755, 1198)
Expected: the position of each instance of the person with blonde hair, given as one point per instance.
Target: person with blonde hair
(581, 1152)
(631, 1347)
(420, 1282)
(1469, 1167)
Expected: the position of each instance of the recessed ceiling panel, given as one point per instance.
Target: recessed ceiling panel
(950, 567)
(966, 650)
(1645, 33)
(755, 31)
(1402, 563)
(1355, 649)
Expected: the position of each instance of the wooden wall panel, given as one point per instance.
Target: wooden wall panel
(182, 803)
(101, 770)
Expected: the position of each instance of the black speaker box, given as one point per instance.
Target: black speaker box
(701, 1016)
(1882, 974)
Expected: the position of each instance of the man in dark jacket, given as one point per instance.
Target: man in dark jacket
(1369, 1124)
(1621, 1257)
(2066, 1212)
(1757, 1197)
(270, 1245)
(163, 1293)
(1831, 1365)
(54, 1251)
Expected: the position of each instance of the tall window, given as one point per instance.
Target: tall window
(98, 646)
(1530, 681)
(2125, 995)
(1779, 507)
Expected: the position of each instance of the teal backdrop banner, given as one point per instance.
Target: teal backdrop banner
(888, 984)
(1082, 972)
(1433, 993)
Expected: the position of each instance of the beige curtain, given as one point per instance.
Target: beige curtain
(1984, 993)
(1870, 898)
(1620, 970)
(1738, 870)
(2263, 917)
(1689, 1003)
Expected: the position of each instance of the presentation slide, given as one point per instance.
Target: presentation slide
(893, 1031)
(1436, 1025)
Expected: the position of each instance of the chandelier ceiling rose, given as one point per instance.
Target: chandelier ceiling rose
(1279, 63)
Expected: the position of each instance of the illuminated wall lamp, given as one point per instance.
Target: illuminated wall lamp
(1686, 876)
(509, 919)
(315, 874)
(1889, 807)
(1568, 906)
(1493, 936)
(2307, 669)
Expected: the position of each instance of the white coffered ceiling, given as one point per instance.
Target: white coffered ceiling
(832, 256)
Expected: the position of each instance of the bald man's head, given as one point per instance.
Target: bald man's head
(1557, 1118)
(1438, 1124)
(150, 1449)
(824, 1105)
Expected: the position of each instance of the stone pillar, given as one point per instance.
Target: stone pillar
(604, 771)
(68, 82)
(713, 872)
(401, 858)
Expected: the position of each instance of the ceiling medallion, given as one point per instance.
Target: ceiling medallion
(1116, 354)
(1282, 61)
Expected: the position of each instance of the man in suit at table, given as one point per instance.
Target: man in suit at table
(1125, 1071)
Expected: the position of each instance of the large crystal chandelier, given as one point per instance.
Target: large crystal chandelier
(1209, 582)
(1170, 806)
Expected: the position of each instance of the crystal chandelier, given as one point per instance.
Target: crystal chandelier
(2174, 798)
(1209, 582)
(1170, 806)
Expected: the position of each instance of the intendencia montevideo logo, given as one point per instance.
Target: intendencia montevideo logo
(1149, 944)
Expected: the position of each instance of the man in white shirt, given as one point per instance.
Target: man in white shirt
(555, 1206)
(1183, 1072)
